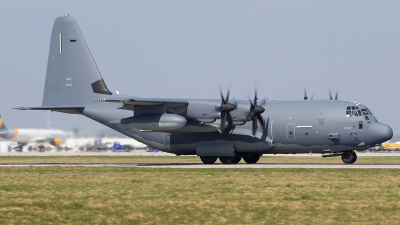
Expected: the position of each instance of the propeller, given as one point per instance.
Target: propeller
(305, 94)
(225, 109)
(255, 114)
(330, 94)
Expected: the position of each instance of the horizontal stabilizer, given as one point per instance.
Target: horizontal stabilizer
(64, 109)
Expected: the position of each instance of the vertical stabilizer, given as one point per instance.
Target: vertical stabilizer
(2, 126)
(72, 76)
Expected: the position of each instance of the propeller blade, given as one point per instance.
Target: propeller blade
(330, 94)
(223, 120)
(230, 121)
(305, 94)
(224, 110)
(336, 96)
(254, 127)
(227, 97)
(261, 120)
(255, 113)
(255, 98)
(222, 95)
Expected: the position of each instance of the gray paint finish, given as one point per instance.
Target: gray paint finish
(319, 126)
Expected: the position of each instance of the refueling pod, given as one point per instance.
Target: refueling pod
(153, 122)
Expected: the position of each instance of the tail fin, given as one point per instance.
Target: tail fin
(72, 76)
(2, 125)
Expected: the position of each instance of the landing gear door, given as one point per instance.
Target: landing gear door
(169, 140)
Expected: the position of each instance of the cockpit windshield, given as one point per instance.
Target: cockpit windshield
(355, 111)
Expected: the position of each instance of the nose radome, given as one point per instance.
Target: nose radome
(379, 133)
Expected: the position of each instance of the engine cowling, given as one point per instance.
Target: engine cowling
(153, 122)
(56, 142)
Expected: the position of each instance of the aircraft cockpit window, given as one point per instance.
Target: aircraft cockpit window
(364, 111)
(373, 118)
(348, 111)
(353, 111)
(365, 114)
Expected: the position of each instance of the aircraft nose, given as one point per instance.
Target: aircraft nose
(379, 133)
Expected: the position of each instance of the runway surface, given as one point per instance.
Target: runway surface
(216, 166)
(159, 153)
(190, 165)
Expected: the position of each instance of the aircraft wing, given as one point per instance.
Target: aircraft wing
(129, 103)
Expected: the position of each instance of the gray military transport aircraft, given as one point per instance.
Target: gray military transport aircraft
(226, 129)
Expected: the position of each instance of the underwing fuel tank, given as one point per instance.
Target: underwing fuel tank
(153, 122)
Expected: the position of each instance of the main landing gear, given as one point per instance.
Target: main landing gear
(249, 159)
(208, 159)
(349, 157)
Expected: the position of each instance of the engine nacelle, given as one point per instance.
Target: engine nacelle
(56, 142)
(153, 122)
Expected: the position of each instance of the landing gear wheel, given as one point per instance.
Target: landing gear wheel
(354, 156)
(251, 159)
(349, 157)
(229, 159)
(208, 159)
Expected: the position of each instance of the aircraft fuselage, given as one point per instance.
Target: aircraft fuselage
(319, 126)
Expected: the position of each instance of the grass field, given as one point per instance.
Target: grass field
(189, 159)
(130, 195)
(104, 195)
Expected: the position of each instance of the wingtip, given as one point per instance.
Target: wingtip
(22, 108)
